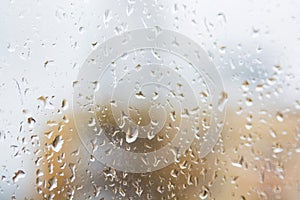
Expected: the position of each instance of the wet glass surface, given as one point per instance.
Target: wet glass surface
(149, 100)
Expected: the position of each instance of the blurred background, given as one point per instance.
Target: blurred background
(254, 45)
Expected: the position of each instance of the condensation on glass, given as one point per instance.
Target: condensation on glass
(149, 100)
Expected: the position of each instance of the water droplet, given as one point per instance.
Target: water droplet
(222, 49)
(31, 121)
(273, 133)
(52, 123)
(277, 68)
(18, 174)
(64, 104)
(255, 32)
(150, 135)
(131, 136)
(11, 48)
(175, 8)
(107, 17)
(138, 67)
(140, 95)
(92, 158)
(95, 45)
(72, 168)
(234, 179)
(279, 116)
(204, 193)
(277, 148)
(259, 88)
(174, 173)
(57, 143)
(238, 163)
(92, 122)
(81, 29)
(222, 17)
(248, 126)
(173, 116)
(249, 102)
(48, 134)
(129, 9)
(276, 189)
(47, 62)
(52, 183)
(223, 98)
(271, 80)
(161, 189)
(245, 86)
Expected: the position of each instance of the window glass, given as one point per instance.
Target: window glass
(149, 99)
